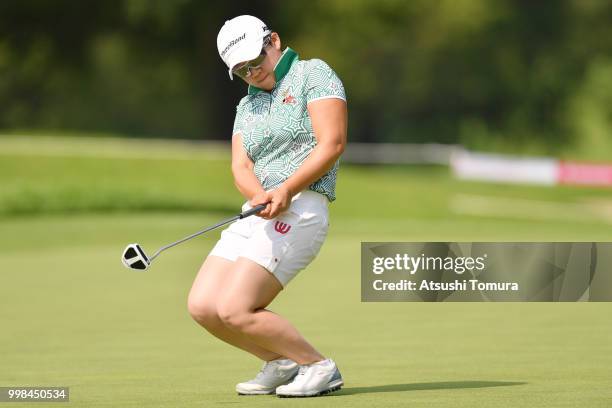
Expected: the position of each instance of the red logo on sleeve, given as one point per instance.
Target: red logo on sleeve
(281, 227)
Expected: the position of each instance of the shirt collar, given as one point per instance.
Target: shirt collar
(280, 70)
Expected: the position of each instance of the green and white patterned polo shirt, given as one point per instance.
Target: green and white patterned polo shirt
(275, 126)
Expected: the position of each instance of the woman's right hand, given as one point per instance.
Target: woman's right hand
(261, 198)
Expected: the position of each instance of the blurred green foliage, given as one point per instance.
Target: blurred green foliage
(501, 74)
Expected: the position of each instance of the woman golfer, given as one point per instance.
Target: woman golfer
(289, 131)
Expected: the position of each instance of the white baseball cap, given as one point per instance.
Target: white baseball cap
(241, 39)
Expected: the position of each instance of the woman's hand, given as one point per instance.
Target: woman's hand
(261, 198)
(278, 201)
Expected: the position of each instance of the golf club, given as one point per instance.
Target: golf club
(134, 257)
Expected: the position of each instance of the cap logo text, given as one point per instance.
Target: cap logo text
(232, 43)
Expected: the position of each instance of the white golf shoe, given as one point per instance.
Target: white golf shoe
(313, 380)
(272, 374)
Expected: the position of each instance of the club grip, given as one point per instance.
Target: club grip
(252, 211)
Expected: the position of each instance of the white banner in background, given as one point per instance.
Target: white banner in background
(506, 169)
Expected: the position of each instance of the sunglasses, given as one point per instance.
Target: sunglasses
(244, 70)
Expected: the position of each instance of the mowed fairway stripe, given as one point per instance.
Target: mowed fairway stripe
(113, 148)
(486, 206)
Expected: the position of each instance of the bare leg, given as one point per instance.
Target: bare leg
(248, 291)
(202, 304)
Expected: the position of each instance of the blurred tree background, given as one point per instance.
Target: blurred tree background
(489, 74)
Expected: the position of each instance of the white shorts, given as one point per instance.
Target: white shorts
(284, 245)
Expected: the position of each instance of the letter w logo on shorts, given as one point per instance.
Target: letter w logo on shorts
(282, 227)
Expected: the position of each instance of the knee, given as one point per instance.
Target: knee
(203, 311)
(235, 318)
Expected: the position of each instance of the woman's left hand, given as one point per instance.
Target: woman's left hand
(280, 199)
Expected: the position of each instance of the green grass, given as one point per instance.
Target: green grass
(46, 175)
(72, 315)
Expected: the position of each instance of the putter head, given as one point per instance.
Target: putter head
(135, 258)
